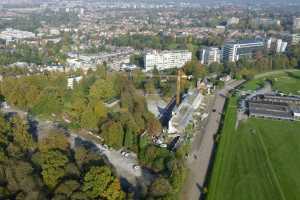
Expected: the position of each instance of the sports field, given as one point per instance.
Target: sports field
(258, 161)
(287, 82)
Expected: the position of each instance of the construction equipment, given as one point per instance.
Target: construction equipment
(180, 76)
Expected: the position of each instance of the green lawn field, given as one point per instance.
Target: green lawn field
(258, 161)
(287, 82)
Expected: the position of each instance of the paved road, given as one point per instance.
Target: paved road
(202, 147)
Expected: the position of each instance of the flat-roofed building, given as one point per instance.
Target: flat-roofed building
(10, 35)
(274, 106)
(296, 24)
(232, 52)
(295, 39)
(210, 55)
(166, 59)
(272, 110)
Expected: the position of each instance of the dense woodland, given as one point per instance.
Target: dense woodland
(47, 96)
(49, 168)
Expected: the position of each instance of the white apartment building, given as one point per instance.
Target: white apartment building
(277, 45)
(210, 55)
(166, 59)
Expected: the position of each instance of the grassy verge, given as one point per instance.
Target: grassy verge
(286, 82)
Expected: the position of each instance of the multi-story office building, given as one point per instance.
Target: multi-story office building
(232, 52)
(166, 59)
(296, 24)
(210, 55)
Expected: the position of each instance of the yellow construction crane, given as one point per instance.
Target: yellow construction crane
(180, 76)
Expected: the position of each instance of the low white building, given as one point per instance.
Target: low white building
(53, 68)
(166, 59)
(79, 64)
(128, 66)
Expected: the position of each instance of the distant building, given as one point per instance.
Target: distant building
(233, 21)
(166, 59)
(210, 55)
(295, 38)
(128, 67)
(232, 52)
(80, 64)
(276, 45)
(73, 80)
(10, 35)
(274, 106)
(296, 24)
(266, 22)
(54, 31)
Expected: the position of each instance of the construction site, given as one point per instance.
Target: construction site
(183, 110)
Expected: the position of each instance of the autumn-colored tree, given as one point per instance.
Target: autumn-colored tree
(160, 187)
(114, 191)
(96, 181)
(113, 134)
(52, 164)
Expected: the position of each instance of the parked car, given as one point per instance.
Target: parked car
(136, 167)
(163, 145)
(125, 153)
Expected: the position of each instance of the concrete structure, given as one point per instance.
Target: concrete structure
(53, 68)
(233, 20)
(266, 21)
(295, 39)
(10, 35)
(272, 110)
(184, 113)
(128, 67)
(296, 24)
(166, 59)
(277, 45)
(274, 106)
(73, 80)
(210, 55)
(232, 52)
(79, 64)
